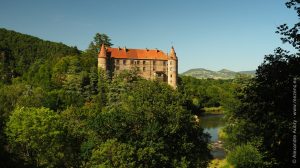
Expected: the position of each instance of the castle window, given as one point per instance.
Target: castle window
(138, 62)
(138, 68)
(171, 69)
(144, 62)
(117, 61)
(170, 62)
(131, 61)
(124, 62)
(144, 68)
(164, 63)
(154, 62)
(171, 75)
(153, 69)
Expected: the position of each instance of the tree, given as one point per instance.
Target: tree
(101, 98)
(149, 116)
(7, 65)
(291, 35)
(267, 107)
(99, 39)
(77, 135)
(113, 154)
(19, 51)
(39, 74)
(200, 93)
(36, 135)
(69, 78)
(265, 117)
(9, 95)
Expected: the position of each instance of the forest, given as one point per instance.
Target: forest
(61, 111)
(57, 109)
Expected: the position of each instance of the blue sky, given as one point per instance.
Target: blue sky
(211, 34)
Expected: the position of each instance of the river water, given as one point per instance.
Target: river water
(212, 124)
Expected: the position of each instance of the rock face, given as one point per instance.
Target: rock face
(202, 73)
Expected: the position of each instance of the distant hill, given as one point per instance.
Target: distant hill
(19, 51)
(202, 73)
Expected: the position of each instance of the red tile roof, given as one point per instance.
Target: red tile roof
(136, 53)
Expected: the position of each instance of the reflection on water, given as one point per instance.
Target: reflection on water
(211, 125)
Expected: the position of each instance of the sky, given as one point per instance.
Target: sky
(210, 34)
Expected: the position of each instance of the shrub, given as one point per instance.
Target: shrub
(245, 156)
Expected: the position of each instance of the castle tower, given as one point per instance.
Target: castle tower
(172, 68)
(102, 58)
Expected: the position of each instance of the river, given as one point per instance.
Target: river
(211, 125)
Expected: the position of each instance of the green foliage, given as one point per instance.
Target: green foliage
(59, 110)
(213, 110)
(100, 39)
(217, 163)
(222, 135)
(18, 52)
(102, 86)
(291, 34)
(245, 156)
(113, 154)
(8, 100)
(147, 115)
(36, 135)
(209, 93)
(266, 109)
(77, 135)
(95, 45)
(264, 117)
(9, 95)
(75, 85)
(39, 74)
(7, 65)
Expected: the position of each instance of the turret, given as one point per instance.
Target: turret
(172, 68)
(102, 58)
(173, 54)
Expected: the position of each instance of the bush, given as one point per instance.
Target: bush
(245, 156)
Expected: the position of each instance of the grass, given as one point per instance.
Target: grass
(213, 110)
(221, 134)
(219, 163)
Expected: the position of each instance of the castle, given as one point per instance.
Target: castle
(151, 64)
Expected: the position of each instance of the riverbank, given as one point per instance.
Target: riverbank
(219, 163)
(213, 110)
